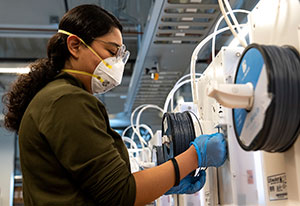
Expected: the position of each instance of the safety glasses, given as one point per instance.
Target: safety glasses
(121, 54)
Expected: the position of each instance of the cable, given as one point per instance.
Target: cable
(185, 76)
(177, 85)
(171, 93)
(281, 125)
(236, 23)
(136, 128)
(213, 46)
(242, 40)
(140, 126)
(131, 142)
(175, 88)
(140, 113)
(133, 150)
(143, 142)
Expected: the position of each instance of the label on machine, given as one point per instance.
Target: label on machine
(248, 124)
(277, 185)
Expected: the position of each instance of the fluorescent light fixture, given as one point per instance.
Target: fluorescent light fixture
(176, 41)
(191, 10)
(27, 31)
(196, 1)
(18, 177)
(187, 18)
(183, 27)
(179, 34)
(24, 70)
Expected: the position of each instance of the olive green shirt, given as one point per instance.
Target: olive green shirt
(69, 154)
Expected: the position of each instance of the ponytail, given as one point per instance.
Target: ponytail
(24, 89)
(28, 85)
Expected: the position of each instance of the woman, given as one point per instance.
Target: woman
(69, 154)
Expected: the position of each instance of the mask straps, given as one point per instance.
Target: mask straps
(84, 73)
(90, 48)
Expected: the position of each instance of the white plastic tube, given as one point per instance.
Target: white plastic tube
(143, 142)
(136, 128)
(133, 150)
(131, 142)
(180, 80)
(145, 151)
(171, 93)
(137, 132)
(222, 8)
(213, 46)
(195, 56)
(138, 120)
(140, 113)
(142, 125)
(236, 23)
(185, 76)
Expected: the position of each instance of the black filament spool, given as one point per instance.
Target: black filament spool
(179, 129)
(281, 126)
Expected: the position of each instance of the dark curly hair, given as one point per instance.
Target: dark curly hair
(86, 21)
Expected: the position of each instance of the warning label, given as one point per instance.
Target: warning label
(277, 185)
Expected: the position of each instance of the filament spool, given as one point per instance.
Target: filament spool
(178, 129)
(273, 122)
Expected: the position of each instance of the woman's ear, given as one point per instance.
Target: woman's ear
(73, 44)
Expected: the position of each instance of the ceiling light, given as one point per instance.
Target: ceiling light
(179, 34)
(176, 41)
(183, 27)
(187, 18)
(24, 70)
(191, 10)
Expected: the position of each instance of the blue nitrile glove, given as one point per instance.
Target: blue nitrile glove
(211, 150)
(189, 184)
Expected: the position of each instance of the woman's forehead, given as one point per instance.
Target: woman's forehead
(114, 37)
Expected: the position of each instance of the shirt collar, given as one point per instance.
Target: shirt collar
(74, 81)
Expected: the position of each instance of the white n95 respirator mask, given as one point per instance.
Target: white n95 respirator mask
(109, 77)
(108, 73)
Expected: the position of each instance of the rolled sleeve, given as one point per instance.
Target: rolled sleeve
(76, 130)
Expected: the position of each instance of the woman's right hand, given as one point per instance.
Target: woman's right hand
(211, 150)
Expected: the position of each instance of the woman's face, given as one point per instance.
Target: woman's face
(105, 46)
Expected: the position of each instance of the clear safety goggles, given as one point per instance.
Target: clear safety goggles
(121, 54)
